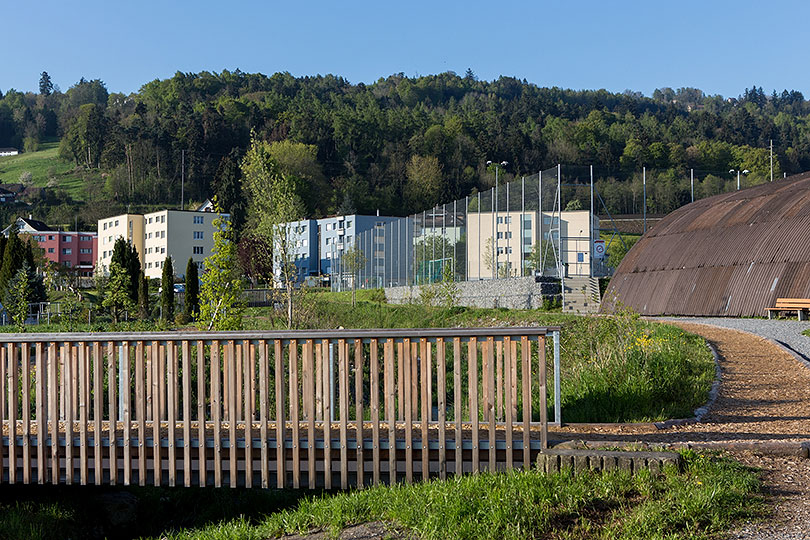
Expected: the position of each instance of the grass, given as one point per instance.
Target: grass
(618, 369)
(701, 501)
(47, 170)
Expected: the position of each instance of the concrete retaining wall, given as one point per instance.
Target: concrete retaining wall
(512, 293)
(552, 460)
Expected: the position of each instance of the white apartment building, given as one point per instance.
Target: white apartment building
(179, 234)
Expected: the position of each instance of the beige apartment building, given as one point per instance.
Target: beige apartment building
(505, 240)
(179, 234)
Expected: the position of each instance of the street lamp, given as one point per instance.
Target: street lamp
(744, 171)
(495, 227)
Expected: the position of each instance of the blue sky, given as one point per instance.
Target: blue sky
(721, 47)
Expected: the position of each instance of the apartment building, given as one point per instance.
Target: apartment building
(75, 250)
(505, 240)
(179, 234)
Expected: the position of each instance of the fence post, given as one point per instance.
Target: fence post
(557, 402)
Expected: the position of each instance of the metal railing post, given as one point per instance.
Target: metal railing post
(557, 402)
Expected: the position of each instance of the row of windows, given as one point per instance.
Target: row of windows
(156, 219)
(338, 225)
(158, 234)
(109, 224)
(151, 250)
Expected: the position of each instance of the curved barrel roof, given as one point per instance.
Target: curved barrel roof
(728, 255)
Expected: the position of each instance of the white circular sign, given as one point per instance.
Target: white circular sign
(599, 249)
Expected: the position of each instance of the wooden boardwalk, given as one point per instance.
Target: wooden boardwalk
(302, 409)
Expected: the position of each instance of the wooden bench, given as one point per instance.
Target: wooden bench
(800, 305)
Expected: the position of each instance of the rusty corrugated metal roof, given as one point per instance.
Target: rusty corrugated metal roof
(728, 255)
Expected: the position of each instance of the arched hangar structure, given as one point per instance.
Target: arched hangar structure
(728, 255)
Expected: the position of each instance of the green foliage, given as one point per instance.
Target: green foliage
(191, 306)
(117, 297)
(15, 299)
(354, 260)
(13, 259)
(143, 297)
(221, 302)
(167, 290)
(618, 249)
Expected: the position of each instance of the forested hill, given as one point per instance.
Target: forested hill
(401, 144)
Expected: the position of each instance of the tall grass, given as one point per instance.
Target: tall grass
(701, 501)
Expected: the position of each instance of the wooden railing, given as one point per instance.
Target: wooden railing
(286, 409)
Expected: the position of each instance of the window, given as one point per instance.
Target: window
(50, 250)
(163, 234)
(149, 236)
(580, 257)
(500, 220)
(328, 241)
(163, 219)
(150, 221)
(67, 264)
(198, 235)
(86, 239)
(67, 251)
(85, 251)
(67, 239)
(348, 224)
(85, 263)
(162, 250)
(50, 237)
(198, 220)
(109, 239)
(116, 223)
(105, 226)
(197, 250)
(507, 219)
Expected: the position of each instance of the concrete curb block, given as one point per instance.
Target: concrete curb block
(799, 449)
(700, 412)
(553, 460)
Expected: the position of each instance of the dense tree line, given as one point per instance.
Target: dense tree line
(402, 144)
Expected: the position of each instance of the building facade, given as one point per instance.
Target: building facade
(179, 234)
(74, 250)
(506, 239)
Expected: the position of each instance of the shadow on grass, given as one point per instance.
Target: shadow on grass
(90, 512)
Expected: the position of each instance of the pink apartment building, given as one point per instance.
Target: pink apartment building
(73, 250)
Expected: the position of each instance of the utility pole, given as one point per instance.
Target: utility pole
(644, 183)
(182, 178)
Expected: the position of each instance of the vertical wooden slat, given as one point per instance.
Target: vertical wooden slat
(263, 418)
(484, 382)
(513, 356)
(216, 411)
(83, 405)
(541, 356)
(424, 377)
(508, 383)
(374, 389)
(40, 375)
(53, 408)
(281, 463)
(490, 375)
(327, 417)
(112, 406)
(441, 389)
(126, 417)
(140, 404)
(409, 398)
(472, 360)
(240, 381)
(157, 411)
(248, 365)
(98, 405)
(319, 387)
(358, 410)
(69, 377)
(390, 412)
(414, 379)
(25, 363)
(526, 380)
(201, 416)
(186, 367)
(232, 410)
(171, 391)
(294, 416)
(161, 372)
(343, 378)
(74, 358)
(499, 384)
(400, 359)
(13, 384)
(150, 382)
(457, 397)
(309, 390)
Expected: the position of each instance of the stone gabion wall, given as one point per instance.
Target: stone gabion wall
(512, 293)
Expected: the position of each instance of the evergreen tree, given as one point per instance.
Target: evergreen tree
(116, 296)
(135, 273)
(13, 258)
(167, 293)
(192, 304)
(143, 297)
(45, 84)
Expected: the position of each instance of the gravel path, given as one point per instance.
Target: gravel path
(762, 409)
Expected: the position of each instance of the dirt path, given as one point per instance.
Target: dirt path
(764, 401)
